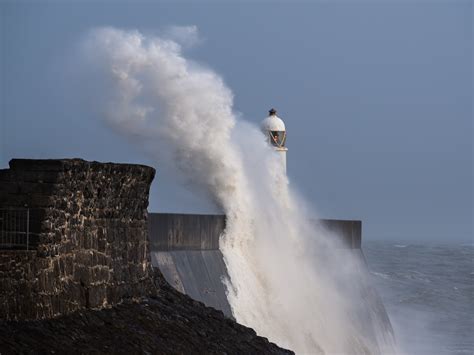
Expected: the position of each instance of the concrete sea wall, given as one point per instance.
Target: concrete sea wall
(185, 247)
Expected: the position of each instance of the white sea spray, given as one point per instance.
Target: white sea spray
(288, 277)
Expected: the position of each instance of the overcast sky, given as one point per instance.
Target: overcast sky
(376, 96)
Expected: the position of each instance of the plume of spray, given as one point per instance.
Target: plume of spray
(288, 277)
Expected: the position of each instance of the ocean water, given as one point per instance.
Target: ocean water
(428, 291)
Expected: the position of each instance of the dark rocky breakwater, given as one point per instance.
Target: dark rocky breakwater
(168, 323)
(75, 271)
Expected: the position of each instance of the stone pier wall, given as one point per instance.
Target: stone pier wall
(89, 237)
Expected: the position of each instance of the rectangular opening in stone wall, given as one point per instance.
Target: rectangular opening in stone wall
(19, 228)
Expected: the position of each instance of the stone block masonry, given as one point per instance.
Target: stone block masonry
(89, 237)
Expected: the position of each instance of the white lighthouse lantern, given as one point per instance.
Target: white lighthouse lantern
(274, 129)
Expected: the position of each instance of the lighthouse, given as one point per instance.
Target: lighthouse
(274, 129)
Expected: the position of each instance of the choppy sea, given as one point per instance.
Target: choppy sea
(428, 291)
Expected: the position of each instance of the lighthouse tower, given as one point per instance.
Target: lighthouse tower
(274, 129)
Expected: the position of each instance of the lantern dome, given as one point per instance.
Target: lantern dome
(273, 122)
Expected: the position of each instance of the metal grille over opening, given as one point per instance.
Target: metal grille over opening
(15, 229)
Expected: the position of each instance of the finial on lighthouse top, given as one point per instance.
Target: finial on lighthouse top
(272, 112)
